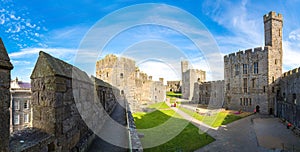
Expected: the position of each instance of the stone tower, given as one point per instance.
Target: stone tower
(273, 24)
(184, 66)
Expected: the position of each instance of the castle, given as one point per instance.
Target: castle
(138, 88)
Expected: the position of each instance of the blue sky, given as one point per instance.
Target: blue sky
(60, 27)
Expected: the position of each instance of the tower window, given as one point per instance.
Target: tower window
(237, 69)
(294, 98)
(106, 74)
(245, 68)
(255, 69)
(245, 85)
(121, 75)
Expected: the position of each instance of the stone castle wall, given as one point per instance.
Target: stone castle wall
(5, 68)
(244, 88)
(189, 77)
(288, 101)
(210, 93)
(67, 107)
(173, 86)
(134, 85)
(251, 76)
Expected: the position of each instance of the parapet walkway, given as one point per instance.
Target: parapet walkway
(117, 134)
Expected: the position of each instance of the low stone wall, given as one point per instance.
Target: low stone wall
(135, 140)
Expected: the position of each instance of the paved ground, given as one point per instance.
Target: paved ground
(256, 133)
(116, 133)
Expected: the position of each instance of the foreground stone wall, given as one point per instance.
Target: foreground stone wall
(65, 100)
(288, 101)
(5, 68)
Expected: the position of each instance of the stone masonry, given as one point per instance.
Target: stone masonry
(5, 68)
(189, 77)
(288, 103)
(136, 86)
(251, 76)
(174, 86)
(210, 93)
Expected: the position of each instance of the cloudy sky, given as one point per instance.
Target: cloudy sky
(157, 34)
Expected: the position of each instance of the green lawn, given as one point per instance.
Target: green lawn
(165, 122)
(172, 94)
(222, 118)
(159, 105)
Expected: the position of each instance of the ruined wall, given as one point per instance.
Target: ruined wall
(288, 101)
(211, 93)
(134, 85)
(5, 68)
(189, 77)
(173, 86)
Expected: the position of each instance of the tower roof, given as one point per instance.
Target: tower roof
(4, 59)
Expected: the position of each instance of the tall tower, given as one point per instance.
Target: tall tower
(273, 24)
(184, 66)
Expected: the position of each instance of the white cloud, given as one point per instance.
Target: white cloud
(291, 53)
(295, 35)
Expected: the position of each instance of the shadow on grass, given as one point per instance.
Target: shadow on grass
(164, 130)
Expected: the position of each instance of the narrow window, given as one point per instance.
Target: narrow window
(253, 83)
(121, 75)
(245, 85)
(250, 102)
(106, 74)
(122, 92)
(284, 98)
(294, 98)
(228, 86)
(26, 104)
(255, 69)
(26, 118)
(273, 79)
(264, 88)
(245, 68)
(241, 101)
(17, 103)
(237, 69)
(246, 101)
(17, 119)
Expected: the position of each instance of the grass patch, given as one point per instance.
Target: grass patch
(221, 118)
(159, 105)
(188, 139)
(172, 94)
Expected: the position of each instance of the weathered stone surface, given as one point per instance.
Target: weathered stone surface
(5, 67)
(246, 90)
(189, 78)
(288, 101)
(133, 84)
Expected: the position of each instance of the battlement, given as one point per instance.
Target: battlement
(291, 72)
(273, 15)
(247, 51)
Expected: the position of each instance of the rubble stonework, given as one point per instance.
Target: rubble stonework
(173, 86)
(133, 84)
(189, 77)
(210, 93)
(5, 68)
(288, 103)
(251, 75)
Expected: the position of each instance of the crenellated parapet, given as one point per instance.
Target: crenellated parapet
(273, 15)
(291, 72)
(247, 52)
